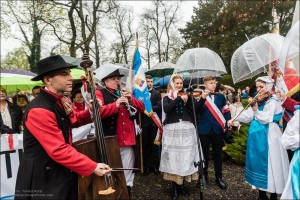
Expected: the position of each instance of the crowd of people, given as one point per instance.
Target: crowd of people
(191, 127)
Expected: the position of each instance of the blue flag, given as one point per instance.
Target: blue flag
(140, 88)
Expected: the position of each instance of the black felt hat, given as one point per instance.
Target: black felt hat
(114, 73)
(50, 64)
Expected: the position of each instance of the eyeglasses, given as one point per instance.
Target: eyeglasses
(79, 97)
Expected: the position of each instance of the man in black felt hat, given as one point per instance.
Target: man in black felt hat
(116, 119)
(47, 169)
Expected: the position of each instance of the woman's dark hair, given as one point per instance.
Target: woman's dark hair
(74, 92)
(17, 96)
(236, 97)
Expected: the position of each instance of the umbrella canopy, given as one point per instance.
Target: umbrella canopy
(252, 57)
(77, 73)
(106, 69)
(18, 82)
(11, 72)
(163, 82)
(290, 48)
(71, 61)
(161, 69)
(200, 62)
(123, 65)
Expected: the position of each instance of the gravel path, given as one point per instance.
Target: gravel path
(154, 187)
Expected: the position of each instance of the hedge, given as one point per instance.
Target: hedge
(236, 148)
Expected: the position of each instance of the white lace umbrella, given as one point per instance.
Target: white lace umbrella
(290, 48)
(200, 62)
(107, 69)
(253, 57)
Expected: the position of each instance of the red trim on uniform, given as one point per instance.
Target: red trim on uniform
(158, 124)
(10, 141)
(215, 114)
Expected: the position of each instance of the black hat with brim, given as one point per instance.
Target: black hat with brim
(50, 64)
(114, 73)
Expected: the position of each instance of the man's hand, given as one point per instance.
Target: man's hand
(121, 100)
(229, 122)
(205, 93)
(91, 104)
(102, 169)
(128, 95)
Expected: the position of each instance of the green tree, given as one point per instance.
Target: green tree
(122, 20)
(160, 20)
(15, 59)
(84, 17)
(30, 17)
(222, 26)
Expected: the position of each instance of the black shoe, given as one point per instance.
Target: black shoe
(273, 196)
(129, 191)
(262, 195)
(146, 172)
(174, 191)
(221, 184)
(263, 198)
(184, 190)
(156, 171)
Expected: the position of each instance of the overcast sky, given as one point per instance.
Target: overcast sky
(185, 14)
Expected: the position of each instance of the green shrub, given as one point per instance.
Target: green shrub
(236, 149)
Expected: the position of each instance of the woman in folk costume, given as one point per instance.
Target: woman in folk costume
(179, 141)
(291, 140)
(266, 159)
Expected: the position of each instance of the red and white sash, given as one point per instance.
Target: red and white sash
(159, 133)
(215, 112)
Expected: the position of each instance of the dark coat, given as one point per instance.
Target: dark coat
(16, 115)
(155, 99)
(206, 121)
(39, 176)
(118, 120)
(109, 124)
(176, 110)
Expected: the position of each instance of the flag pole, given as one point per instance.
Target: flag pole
(140, 118)
(275, 30)
(130, 77)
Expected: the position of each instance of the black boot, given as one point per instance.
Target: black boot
(129, 191)
(156, 171)
(221, 183)
(184, 190)
(146, 172)
(262, 195)
(273, 196)
(174, 191)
